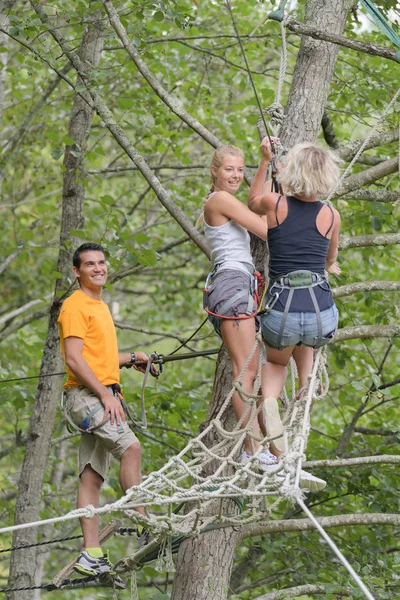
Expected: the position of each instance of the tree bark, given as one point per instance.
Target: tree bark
(204, 564)
(22, 567)
(313, 72)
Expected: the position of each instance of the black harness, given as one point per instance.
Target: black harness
(295, 280)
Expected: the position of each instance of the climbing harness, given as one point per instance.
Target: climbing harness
(302, 279)
(253, 296)
(87, 425)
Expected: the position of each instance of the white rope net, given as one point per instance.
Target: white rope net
(209, 468)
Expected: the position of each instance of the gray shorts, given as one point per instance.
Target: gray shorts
(97, 449)
(224, 286)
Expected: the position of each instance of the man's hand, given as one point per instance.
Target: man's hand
(112, 407)
(141, 357)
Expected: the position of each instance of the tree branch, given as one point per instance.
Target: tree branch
(302, 590)
(361, 241)
(380, 459)
(365, 286)
(39, 314)
(372, 431)
(21, 309)
(366, 332)
(387, 137)
(120, 136)
(353, 182)
(157, 87)
(374, 196)
(341, 40)
(298, 525)
(9, 259)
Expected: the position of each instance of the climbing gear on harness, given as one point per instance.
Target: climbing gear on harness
(85, 425)
(294, 280)
(253, 297)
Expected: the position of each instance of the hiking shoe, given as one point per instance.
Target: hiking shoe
(264, 462)
(87, 565)
(144, 538)
(310, 482)
(273, 422)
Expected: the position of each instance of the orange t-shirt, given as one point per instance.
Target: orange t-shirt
(89, 319)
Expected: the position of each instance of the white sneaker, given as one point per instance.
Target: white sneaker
(264, 462)
(310, 482)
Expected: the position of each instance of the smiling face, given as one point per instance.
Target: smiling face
(229, 175)
(92, 272)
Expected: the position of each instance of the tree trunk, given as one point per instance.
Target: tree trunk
(313, 72)
(204, 565)
(22, 567)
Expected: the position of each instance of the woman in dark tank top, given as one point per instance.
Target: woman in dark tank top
(303, 235)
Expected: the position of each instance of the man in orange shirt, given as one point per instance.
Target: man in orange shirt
(90, 351)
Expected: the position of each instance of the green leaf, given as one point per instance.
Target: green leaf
(78, 233)
(68, 141)
(57, 153)
(141, 238)
(107, 199)
(158, 16)
(146, 257)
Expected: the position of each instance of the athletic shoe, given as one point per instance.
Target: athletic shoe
(87, 565)
(273, 422)
(310, 482)
(144, 538)
(264, 462)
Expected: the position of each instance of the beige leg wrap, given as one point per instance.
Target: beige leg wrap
(273, 422)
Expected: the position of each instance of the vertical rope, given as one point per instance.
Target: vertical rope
(365, 142)
(336, 550)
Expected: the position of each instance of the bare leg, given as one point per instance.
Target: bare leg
(274, 372)
(130, 470)
(239, 338)
(274, 377)
(89, 493)
(304, 357)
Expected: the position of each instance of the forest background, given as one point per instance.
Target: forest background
(116, 159)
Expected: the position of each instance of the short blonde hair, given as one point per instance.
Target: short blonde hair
(219, 155)
(309, 170)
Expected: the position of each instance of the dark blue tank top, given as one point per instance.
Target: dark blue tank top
(296, 244)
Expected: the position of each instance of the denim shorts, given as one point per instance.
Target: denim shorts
(300, 328)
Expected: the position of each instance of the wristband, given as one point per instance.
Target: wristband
(132, 361)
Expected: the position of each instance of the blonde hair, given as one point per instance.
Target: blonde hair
(219, 155)
(216, 161)
(309, 170)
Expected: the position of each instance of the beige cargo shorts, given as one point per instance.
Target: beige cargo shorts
(97, 449)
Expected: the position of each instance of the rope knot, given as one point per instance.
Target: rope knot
(90, 511)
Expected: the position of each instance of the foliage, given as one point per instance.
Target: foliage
(191, 51)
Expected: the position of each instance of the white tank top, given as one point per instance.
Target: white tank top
(229, 246)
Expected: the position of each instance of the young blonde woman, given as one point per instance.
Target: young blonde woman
(230, 296)
(303, 235)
